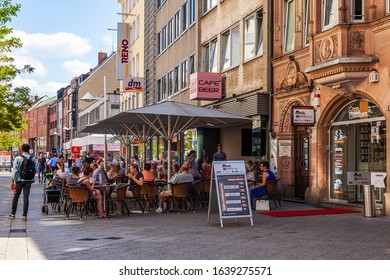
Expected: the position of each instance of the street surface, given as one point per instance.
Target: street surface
(186, 236)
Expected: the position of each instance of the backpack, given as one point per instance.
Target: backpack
(27, 168)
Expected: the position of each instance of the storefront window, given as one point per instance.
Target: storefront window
(358, 143)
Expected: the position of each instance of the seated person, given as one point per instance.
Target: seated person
(268, 176)
(112, 174)
(148, 176)
(153, 169)
(119, 170)
(250, 176)
(73, 178)
(135, 179)
(84, 181)
(98, 176)
(162, 172)
(177, 178)
(62, 173)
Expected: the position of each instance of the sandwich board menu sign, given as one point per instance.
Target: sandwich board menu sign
(228, 181)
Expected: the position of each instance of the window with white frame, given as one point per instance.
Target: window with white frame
(306, 22)
(210, 56)
(289, 25)
(159, 90)
(170, 83)
(176, 80)
(132, 102)
(184, 13)
(159, 49)
(164, 38)
(184, 74)
(388, 6)
(357, 10)
(329, 13)
(192, 65)
(164, 87)
(138, 28)
(253, 35)
(192, 11)
(132, 35)
(170, 26)
(230, 49)
(176, 29)
(209, 4)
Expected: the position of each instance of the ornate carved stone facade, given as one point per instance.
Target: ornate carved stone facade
(285, 111)
(294, 78)
(326, 49)
(357, 43)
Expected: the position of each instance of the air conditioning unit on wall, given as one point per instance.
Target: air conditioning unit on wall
(373, 77)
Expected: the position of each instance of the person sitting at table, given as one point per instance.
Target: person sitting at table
(73, 178)
(135, 179)
(250, 176)
(153, 168)
(112, 174)
(98, 176)
(268, 176)
(83, 167)
(177, 178)
(120, 170)
(84, 181)
(162, 172)
(148, 176)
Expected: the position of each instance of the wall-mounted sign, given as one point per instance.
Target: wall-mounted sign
(110, 147)
(75, 149)
(122, 57)
(303, 115)
(284, 148)
(205, 85)
(378, 179)
(358, 178)
(133, 84)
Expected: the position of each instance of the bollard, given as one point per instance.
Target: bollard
(369, 201)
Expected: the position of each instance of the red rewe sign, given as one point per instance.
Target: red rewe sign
(205, 85)
(75, 149)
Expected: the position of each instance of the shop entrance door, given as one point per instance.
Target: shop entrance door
(302, 171)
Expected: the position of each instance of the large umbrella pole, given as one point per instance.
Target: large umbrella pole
(169, 139)
(128, 146)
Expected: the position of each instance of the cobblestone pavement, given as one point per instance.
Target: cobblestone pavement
(187, 236)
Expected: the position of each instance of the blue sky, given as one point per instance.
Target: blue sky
(61, 39)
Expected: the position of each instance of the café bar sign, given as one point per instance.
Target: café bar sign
(205, 85)
(303, 115)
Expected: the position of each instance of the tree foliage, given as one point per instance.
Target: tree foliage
(13, 100)
(12, 138)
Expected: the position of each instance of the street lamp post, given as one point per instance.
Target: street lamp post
(89, 98)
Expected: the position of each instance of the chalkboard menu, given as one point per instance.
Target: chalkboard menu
(230, 184)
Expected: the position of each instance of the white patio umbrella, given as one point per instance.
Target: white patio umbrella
(168, 119)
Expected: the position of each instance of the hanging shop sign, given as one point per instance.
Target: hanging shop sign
(378, 179)
(75, 149)
(123, 53)
(132, 84)
(303, 115)
(205, 85)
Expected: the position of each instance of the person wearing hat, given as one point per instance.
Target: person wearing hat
(219, 155)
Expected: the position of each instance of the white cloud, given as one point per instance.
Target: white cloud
(21, 61)
(60, 44)
(48, 88)
(76, 67)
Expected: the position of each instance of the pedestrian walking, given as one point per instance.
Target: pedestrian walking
(41, 167)
(23, 174)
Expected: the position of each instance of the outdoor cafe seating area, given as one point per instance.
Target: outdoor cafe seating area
(76, 202)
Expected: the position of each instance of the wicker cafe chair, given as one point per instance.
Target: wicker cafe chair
(199, 192)
(121, 192)
(137, 198)
(77, 196)
(149, 191)
(182, 191)
(272, 192)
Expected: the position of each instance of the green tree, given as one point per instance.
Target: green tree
(12, 138)
(13, 100)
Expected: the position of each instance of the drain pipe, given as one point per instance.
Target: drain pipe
(270, 24)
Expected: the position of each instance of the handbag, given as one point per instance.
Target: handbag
(262, 205)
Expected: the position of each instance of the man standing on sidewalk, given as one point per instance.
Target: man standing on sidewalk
(23, 173)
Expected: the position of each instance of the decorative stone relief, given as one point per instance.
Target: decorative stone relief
(285, 113)
(318, 52)
(298, 13)
(343, 13)
(357, 42)
(294, 78)
(373, 11)
(342, 91)
(335, 40)
(285, 162)
(278, 20)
